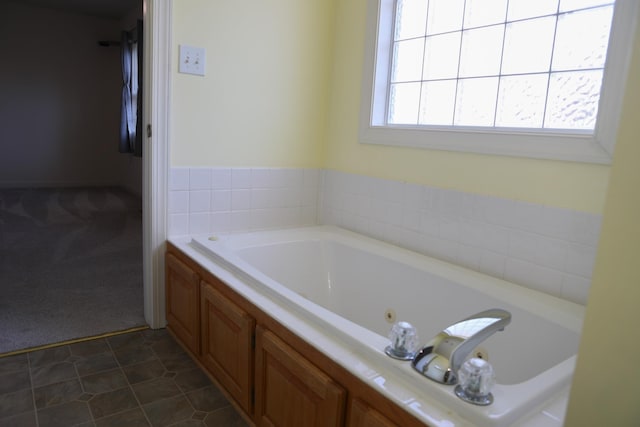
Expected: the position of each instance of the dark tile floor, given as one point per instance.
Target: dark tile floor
(136, 379)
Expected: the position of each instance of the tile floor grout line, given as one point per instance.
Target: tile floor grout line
(135, 396)
(75, 367)
(179, 388)
(33, 391)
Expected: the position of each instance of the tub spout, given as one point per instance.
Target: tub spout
(442, 357)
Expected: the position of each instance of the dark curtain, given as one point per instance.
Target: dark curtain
(131, 109)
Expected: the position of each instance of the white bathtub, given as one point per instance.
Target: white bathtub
(349, 284)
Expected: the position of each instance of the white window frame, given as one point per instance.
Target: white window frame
(579, 146)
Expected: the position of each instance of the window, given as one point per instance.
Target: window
(513, 77)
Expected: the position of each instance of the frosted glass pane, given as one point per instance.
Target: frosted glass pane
(411, 19)
(481, 51)
(521, 9)
(403, 103)
(441, 56)
(436, 105)
(567, 5)
(484, 12)
(582, 39)
(407, 60)
(521, 101)
(528, 45)
(573, 100)
(476, 102)
(444, 16)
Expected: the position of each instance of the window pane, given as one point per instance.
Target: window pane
(444, 16)
(441, 56)
(567, 5)
(476, 102)
(481, 51)
(573, 100)
(411, 19)
(407, 61)
(527, 46)
(520, 9)
(484, 12)
(521, 101)
(436, 105)
(403, 103)
(582, 38)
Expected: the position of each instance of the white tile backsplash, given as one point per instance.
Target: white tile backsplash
(208, 200)
(240, 199)
(199, 223)
(545, 248)
(240, 178)
(575, 288)
(178, 202)
(200, 201)
(221, 200)
(199, 179)
(179, 179)
(221, 178)
(178, 224)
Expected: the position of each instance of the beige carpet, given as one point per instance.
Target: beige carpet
(70, 264)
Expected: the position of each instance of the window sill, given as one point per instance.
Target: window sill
(555, 146)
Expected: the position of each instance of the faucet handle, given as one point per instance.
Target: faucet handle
(476, 379)
(404, 341)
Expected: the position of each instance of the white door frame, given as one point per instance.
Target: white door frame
(155, 165)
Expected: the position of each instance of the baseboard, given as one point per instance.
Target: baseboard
(57, 184)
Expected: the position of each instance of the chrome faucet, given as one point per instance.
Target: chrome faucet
(442, 357)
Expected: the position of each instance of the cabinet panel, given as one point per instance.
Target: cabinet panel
(292, 392)
(183, 302)
(363, 415)
(227, 333)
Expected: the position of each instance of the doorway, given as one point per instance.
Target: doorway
(151, 169)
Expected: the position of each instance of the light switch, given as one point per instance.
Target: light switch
(192, 60)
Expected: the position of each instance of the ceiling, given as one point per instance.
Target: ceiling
(103, 8)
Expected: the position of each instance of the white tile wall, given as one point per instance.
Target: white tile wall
(546, 248)
(208, 200)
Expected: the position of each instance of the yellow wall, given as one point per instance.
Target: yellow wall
(283, 89)
(560, 184)
(605, 386)
(263, 99)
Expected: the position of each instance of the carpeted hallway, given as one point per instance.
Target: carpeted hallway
(70, 264)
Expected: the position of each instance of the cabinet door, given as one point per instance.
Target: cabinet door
(227, 333)
(290, 391)
(183, 302)
(363, 415)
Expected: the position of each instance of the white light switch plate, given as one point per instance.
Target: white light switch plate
(192, 60)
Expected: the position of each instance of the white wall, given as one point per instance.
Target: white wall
(60, 98)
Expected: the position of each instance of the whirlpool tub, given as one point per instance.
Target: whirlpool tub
(356, 287)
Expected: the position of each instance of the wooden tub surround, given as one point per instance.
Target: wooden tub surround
(273, 376)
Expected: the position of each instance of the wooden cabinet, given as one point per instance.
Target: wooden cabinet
(183, 302)
(277, 378)
(363, 415)
(292, 392)
(227, 334)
